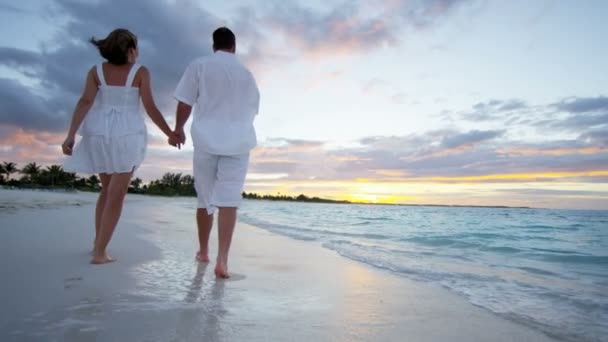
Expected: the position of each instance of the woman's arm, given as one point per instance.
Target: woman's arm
(82, 108)
(145, 91)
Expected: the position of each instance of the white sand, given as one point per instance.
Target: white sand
(281, 289)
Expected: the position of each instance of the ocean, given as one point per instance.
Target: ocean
(540, 267)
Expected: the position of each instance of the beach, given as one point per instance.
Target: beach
(281, 289)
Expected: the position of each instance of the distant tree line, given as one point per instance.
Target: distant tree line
(299, 198)
(35, 176)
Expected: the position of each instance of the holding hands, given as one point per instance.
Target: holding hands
(177, 138)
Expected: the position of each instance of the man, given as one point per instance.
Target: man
(226, 100)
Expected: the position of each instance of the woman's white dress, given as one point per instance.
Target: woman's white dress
(113, 132)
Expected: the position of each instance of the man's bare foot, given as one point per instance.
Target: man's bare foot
(202, 257)
(221, 269)
(101, 259)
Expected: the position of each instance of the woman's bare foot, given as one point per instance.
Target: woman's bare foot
(93, 249)
(202, 257)
(221, 269)
(100, 259)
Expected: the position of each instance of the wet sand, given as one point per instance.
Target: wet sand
(281, 289)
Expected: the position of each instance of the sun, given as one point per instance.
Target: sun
(367, 198)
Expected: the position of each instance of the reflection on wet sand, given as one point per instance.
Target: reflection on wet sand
(194, 291)
(201, 319)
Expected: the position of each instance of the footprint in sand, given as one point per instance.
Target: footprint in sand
(71, 282)
(233, 277)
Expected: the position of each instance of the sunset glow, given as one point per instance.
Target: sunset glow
(414, 102)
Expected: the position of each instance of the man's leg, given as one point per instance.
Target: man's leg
(205, 169)
(231, 172)
(226, 223)
(204, 222)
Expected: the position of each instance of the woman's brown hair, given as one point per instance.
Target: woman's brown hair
(115, 47)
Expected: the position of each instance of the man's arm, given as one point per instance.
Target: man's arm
(186, 94)
(182, 114)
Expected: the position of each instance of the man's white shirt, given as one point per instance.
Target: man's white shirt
(225, 100)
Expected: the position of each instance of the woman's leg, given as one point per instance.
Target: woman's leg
(117, 189)
(101, 203)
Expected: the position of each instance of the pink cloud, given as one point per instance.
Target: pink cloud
(24, 146)
(352, 28)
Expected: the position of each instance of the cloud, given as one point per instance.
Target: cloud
(495, 110)
(512, 104)
(469, 138)
(554, 192)
(10, 8)
(19, 59)
(552, 151)
(21, 107)
(57, 71)
(577, 115)
(22, 145)
(350, 26)
(583, 104)
(341, 30)
(579, 121)
(300, 159)
(425, 13)
(171, 34)
(439, 156)
(598, 137)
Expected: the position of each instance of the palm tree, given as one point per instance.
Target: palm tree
(68, 178)
(187, 186)
(32, 171)
(136, 185)
(2, 172)
(187, 180)
(54, 172)
(9, 169)
(172, 180)
(79, 183)
(93, 182)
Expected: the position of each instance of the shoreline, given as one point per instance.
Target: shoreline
(320, 201)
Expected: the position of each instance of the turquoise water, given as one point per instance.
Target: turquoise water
(544, 268)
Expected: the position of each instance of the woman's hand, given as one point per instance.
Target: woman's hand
(68, 145)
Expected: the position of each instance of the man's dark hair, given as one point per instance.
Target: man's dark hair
(223, 39)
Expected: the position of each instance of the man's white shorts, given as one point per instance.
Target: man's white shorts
(219, 180)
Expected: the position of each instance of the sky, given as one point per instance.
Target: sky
(466, 102)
